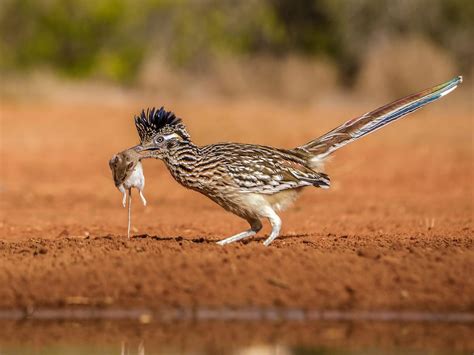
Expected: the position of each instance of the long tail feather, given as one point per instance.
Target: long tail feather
(372, 121)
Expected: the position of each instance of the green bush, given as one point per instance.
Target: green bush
(111, 38)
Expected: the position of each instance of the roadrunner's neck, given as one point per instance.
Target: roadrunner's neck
(181, 160)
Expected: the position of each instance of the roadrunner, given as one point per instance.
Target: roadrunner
(255, 181)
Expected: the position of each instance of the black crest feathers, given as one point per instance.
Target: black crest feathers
(149, 123)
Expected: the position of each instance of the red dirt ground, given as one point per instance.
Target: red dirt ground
(395, 231)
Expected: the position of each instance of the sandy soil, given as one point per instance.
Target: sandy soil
(395, 231)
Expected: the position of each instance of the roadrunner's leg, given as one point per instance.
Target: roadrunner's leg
(275, 221)
(255, 226)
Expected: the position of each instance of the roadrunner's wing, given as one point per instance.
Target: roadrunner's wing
(267, 170)
(372, 121)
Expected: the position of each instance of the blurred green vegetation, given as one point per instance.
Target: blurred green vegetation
(112, 38)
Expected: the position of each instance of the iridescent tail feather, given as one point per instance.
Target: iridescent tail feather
(372, 121)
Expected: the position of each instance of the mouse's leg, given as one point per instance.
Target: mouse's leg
(124, 195)
(142, 197)
(129, 212)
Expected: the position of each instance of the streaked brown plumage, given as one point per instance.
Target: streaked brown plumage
(254, 181)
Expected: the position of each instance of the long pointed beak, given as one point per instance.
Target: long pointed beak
(143, 152)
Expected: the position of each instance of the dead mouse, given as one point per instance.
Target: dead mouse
(127, 172)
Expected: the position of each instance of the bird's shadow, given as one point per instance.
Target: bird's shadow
(202, 240)
(281, 237)
(176, 239)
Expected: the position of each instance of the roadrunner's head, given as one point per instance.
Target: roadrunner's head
(159, 131)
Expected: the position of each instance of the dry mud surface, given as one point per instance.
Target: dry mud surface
(395, 231)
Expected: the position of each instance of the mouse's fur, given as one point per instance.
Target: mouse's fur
(127, 172)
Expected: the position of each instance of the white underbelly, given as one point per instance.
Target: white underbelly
(260, 204)
(136, 178)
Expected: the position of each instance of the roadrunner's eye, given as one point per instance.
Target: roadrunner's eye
(159, 140)
(129, 166)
